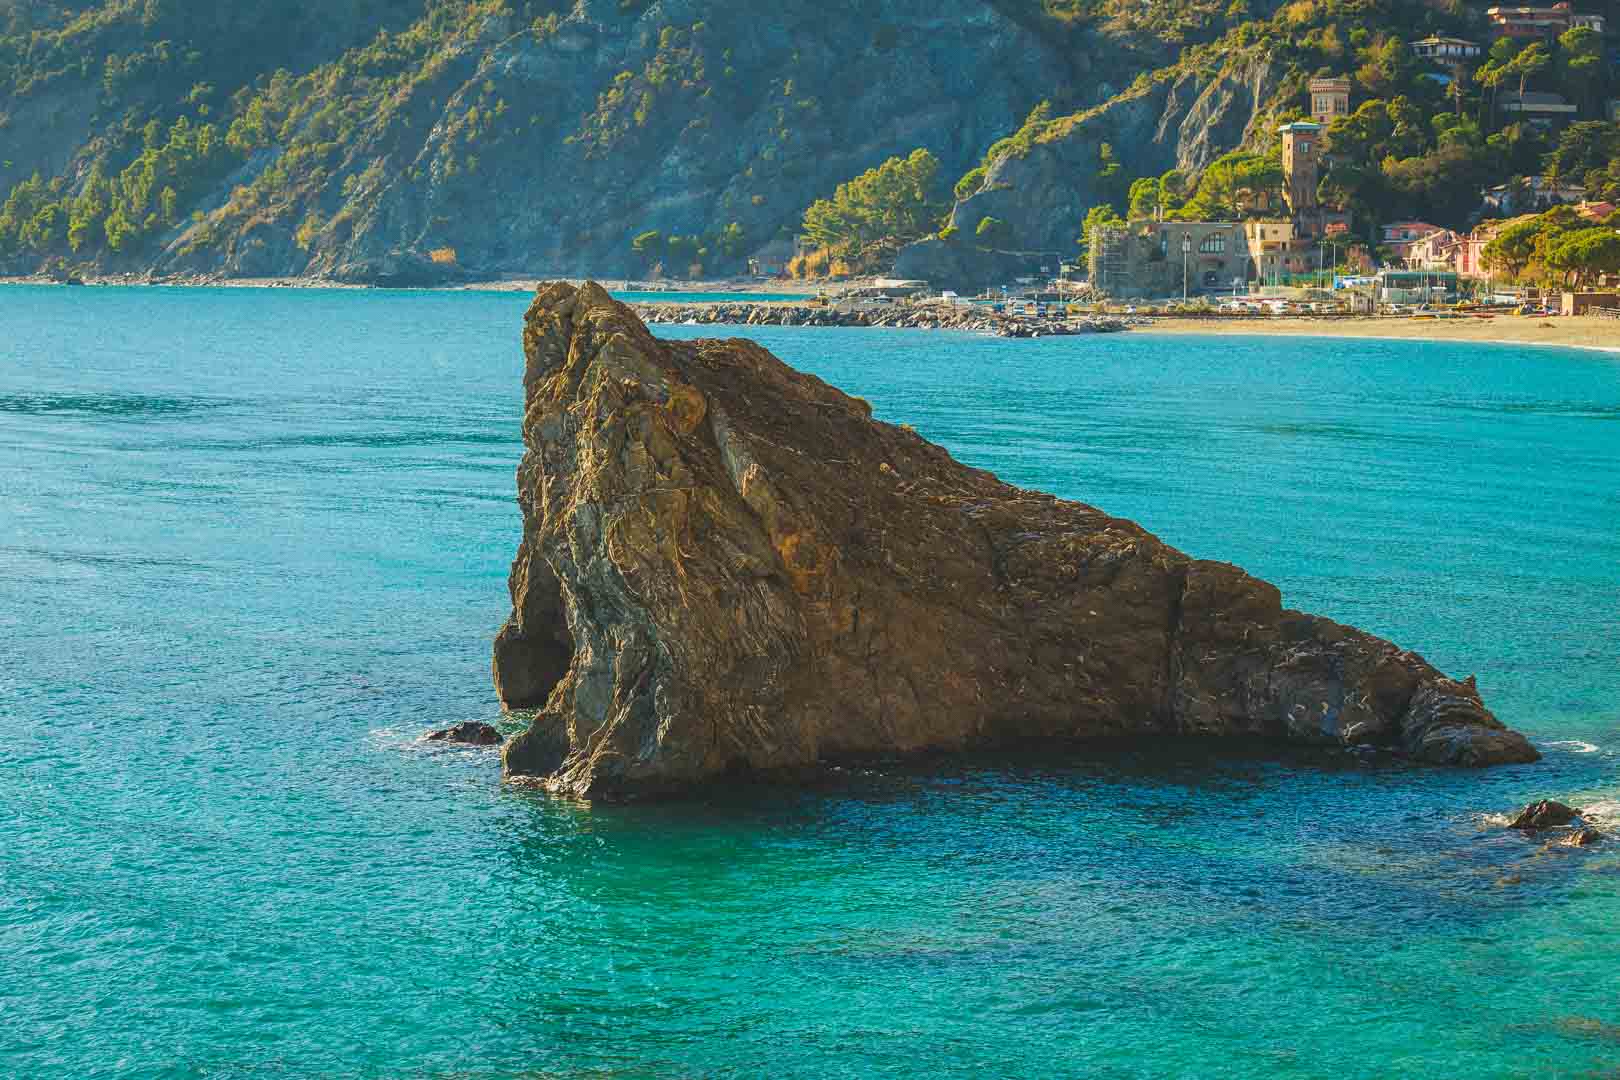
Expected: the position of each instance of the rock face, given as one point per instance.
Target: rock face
(727, 564)
(1546, 814)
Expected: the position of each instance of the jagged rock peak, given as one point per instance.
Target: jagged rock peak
(728, 564)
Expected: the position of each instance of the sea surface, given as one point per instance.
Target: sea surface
(253, 544)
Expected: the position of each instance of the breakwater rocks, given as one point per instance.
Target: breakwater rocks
(971, 317)
(729, 565)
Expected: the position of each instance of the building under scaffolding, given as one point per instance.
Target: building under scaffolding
(1109, 256)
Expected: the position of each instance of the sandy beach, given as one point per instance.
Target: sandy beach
(1587, 332)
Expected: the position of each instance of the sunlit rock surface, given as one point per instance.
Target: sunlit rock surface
(729, 565)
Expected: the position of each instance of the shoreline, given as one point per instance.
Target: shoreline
(1589, 333)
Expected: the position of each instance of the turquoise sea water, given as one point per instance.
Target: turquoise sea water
(254, 544)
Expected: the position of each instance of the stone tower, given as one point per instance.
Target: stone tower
(1330, 99)
(1302, 157)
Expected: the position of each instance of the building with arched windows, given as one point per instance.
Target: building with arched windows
(1273, 243)
(1330, 99)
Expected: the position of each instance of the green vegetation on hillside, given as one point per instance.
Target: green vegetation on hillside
(1557, 248)
(187, 132)
(1418, 143)
(689, 256)
(180, 110)
(870, 217)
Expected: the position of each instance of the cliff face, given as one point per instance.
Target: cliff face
(692, 117)
(1042, 195)
(729, 564)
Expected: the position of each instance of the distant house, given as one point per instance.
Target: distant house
(1399, 236)
(772, 259)
(1540, 22)
(1595, 211)
(1540, 109)
(1436, 251)
(1581, 303)
(1446, 50)
(1330, 99)
(1471, 253)
(1532, 195)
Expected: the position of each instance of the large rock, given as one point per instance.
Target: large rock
(727, 564)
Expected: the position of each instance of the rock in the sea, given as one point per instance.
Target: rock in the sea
(1582, 837)
(468, 731)
(1546, 814)
(729, 565)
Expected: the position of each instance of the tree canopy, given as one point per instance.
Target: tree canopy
(894, 203)
(1557, 247)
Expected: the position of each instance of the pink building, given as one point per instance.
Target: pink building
(1398, 236)
(1471, 254)
(1439, 250)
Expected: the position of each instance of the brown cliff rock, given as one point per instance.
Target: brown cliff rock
(729, 564)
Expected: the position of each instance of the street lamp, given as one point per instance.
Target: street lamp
(1186, 249)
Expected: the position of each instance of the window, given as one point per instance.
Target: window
(1213, 244)
(1164, 243)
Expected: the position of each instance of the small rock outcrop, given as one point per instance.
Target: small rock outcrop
(729, 565)
(469, 732)
(1546, 814)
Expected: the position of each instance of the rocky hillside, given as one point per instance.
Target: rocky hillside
(398, 141)
(1410, 151)
(407, 141)
(1041, 186)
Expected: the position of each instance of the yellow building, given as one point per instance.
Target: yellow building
(1330, 99)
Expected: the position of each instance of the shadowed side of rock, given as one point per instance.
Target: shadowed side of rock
(728, 564)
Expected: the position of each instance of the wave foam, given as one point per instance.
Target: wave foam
(1602, 811)
(1577, 746)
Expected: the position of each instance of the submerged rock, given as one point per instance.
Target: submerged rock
(1546, 814)
(468, 731)
(727, 564)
